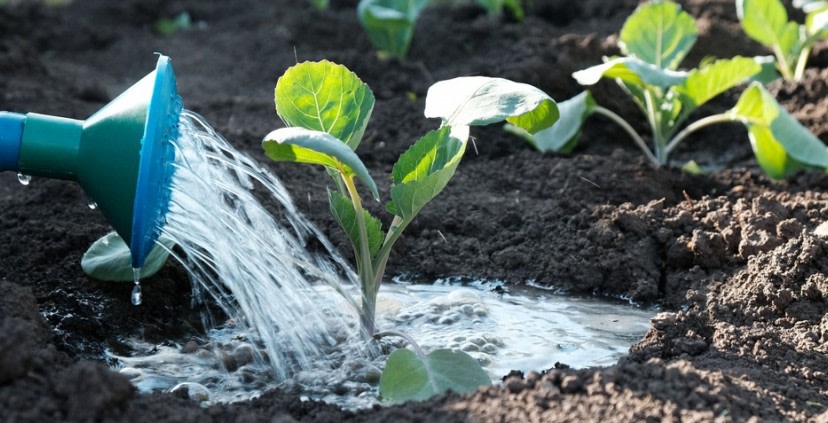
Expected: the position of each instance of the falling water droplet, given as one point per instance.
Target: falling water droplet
(24, 179)
(136, 292)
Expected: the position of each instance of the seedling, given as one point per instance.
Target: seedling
(326, 108)
(766, 21)
(390, 23)
(496, 7)
(654, 41)
(320, 4)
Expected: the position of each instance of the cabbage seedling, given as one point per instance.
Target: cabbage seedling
(326, 108)
(496, 7)
(654, 41)
(390, 23)
(766, 21)
(320, 4)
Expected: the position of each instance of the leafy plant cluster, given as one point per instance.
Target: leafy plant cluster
(766, 21)
(326, 109)
(654, 41)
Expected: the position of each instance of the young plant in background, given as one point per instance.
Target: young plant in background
(326, 108)
(320, 4)
(390, 23)
(496, 7)
(766, 21)
(654, 41)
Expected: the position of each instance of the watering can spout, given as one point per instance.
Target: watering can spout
(122, 155)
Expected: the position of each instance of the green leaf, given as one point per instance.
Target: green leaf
(763, 20)
(768, 72)
(703, 84)
(781, 144)
(108, 259)
(480, 100)
(343, 211)
(423, 171)
(390, 23)
(407, 377)
(167, 27)
(564, 134)
(630, 70)
(659, 33)
(816, 23)
(320, 4)
(300, 145)
(327, 97)
(809, 6)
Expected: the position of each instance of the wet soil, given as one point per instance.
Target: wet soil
(734, 258)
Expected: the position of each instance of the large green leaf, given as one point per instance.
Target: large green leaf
(407, 377)
(108, 259)
(327, 97)
(780, 142)
(343, 211)
(564, 134)
(390, 23)
(480, 100)
(659, 33)
(423, 171)
(703, 84)
(302, 145)
(630, 71)
(763, 20)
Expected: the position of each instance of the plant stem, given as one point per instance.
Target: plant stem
(416, 347)
(695, 126)
(653, 118)
(784, 67)
(629, 129)
(366, 276)
(801, 61)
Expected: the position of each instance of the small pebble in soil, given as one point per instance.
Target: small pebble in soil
(193, 391)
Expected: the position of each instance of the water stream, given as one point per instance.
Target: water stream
(292, 313)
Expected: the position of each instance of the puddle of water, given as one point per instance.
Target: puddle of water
(519, 330)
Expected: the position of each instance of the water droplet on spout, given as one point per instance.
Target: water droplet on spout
(136, 291)
(24, 179)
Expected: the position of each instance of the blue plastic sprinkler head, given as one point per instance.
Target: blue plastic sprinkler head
(122, 155)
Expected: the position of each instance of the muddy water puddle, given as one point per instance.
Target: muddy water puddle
(503, 327)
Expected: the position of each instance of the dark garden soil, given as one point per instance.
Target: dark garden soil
(731, 256)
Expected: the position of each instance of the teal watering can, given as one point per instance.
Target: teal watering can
(122, 155)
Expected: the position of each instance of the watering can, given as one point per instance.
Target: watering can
(122, 155)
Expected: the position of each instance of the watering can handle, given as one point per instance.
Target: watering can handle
(11, 136)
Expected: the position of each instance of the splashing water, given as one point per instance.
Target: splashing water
(257, 269)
